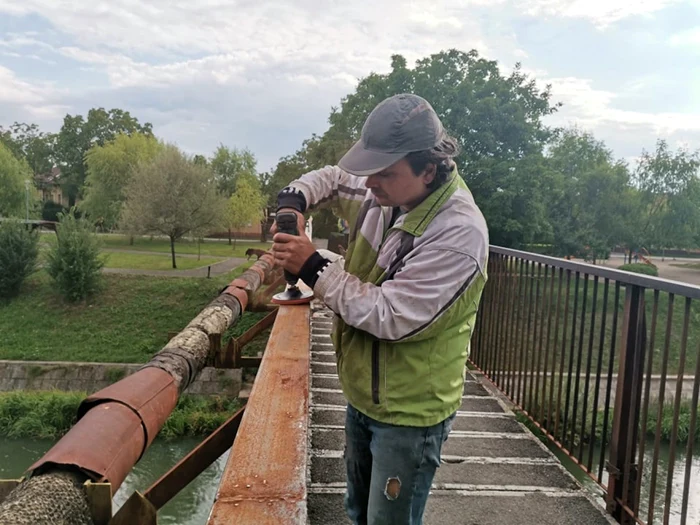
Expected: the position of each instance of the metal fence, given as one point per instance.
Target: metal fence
(606, 364)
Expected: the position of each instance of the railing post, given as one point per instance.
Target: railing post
(622, 466)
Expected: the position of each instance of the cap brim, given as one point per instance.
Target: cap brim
(363, 162)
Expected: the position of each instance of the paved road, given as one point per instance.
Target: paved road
(497, 472)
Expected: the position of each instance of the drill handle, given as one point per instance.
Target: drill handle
(287, 223)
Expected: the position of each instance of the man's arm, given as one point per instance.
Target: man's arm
(327, 186)
(403, 307)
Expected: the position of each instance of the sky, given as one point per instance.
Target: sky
(265, 74)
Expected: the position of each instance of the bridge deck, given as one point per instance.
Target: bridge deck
(498, 472)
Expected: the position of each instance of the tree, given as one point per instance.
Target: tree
(27, 142)
(109, 169)
(496, 119)
(19, 249)
(228, 164)
(78, 135)
(669, 197)
(13, 176)
(246, 204)
(172, 196)
(75, 262)
(587, 195)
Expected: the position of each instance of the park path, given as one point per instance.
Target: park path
(219, 268)
(163, 254)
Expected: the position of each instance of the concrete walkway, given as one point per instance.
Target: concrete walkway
(225, 266)
(494, 471)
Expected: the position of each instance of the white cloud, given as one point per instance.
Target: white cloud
(595, 108)
(265, 74)
(602, 13)
(38, 101)
(689, 38)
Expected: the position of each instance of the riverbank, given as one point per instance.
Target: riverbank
(42, 415)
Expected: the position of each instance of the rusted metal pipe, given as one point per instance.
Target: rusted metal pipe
(117, 424)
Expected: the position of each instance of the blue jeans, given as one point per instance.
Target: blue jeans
(390, 469)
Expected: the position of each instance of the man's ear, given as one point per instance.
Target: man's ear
(429, 173)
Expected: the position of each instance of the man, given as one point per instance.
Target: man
(405, 297)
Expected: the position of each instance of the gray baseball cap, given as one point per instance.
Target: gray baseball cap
(398, 126)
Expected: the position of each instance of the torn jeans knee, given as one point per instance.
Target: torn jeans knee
(392, 488)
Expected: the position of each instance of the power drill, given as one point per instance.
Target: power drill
(287, 223)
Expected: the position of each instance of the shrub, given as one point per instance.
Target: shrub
(18, 254)
(75, 262)
(646, 269)
(50, 211)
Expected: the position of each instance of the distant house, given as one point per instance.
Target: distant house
(48, 187)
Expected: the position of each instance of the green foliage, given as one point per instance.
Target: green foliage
(114, 374)
(51, 414)
(50, 211)
(646, 269)
(13, 174)
(172, 196)
(496, 118)
(587, 196)
(246, 204)
(18, 255)
(79, 134)
(109, 169)
(27, 142)
(74, 261)
(669, 198)
(229, 165)
(38, 414)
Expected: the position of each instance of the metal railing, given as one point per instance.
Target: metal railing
(606, 366)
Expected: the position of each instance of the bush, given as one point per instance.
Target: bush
(75, 262)
(646, 269)
(18, 254)
(41, 414)
(50, 211)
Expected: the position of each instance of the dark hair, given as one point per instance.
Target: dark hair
(441, 155)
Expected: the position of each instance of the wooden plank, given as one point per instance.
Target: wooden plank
(265, 477)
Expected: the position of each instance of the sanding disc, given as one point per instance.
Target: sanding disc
(288, 297)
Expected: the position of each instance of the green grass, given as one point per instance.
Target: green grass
(141, 261)
(51, 414)
(126, 323)
(213, 248)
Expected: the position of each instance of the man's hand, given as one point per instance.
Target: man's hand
(292, 251)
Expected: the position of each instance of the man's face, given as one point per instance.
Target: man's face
(398, 186)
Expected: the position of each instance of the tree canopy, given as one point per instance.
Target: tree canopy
(109, 169)
(172, 196)
(13, 174)
(79, 134)
(246, 204)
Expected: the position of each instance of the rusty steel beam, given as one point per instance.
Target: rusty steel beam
(265, 477)
(117, 424)
(194, 463)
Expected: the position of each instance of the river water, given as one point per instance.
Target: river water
(190, 507)
(193, 504)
